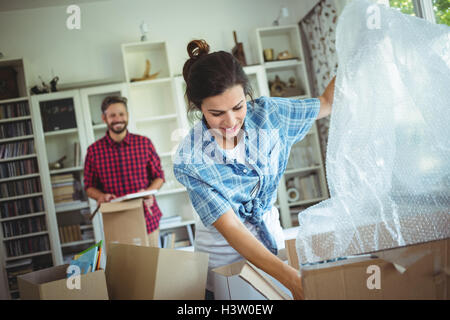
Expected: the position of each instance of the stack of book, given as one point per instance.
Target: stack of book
(63, 188)
(168, 240)
(70, 233)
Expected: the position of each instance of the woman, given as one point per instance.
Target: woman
(232, 161)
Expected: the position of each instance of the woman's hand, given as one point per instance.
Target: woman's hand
(296, 287)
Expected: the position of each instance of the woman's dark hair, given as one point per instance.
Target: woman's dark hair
(210, 74)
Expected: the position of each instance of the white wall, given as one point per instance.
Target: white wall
(93, 53)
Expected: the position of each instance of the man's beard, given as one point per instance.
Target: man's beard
(111, 127)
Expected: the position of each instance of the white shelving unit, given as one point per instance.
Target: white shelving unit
(303, 183)
(24, 217)
(58, 137)
(158, 114)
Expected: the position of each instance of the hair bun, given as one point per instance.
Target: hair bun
(197, 48)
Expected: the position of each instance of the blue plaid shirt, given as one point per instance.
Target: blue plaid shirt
(217, 184)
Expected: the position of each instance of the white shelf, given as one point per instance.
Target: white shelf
(26, 176)
(176, 224)
(28, 156)
(158, 118)
(76, 243)
(60, 132)
(282, 64)
(169, 192)
(305, 202)
(71, 169)
(71, 206)
(14, 100)
(86, 227)
(28, 215)
(26, 235)
(30, 195)
(165, 154)
(30, 136)
(300, 170)
(99, 126)
(40, 253)
(15, 119)
(149, 82)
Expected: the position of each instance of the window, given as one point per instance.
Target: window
(436, 11)
(441, 10)
(405, 6)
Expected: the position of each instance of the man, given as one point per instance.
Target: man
(121, 163)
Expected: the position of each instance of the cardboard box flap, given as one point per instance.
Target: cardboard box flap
(46, 275)
(253, 276)
(109, 207)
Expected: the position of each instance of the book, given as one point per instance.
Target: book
(88, 260)
(76, 151)
(135, 195)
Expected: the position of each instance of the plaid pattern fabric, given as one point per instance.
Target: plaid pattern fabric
(123, 168)
(217, 184)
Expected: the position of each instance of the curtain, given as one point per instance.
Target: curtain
(318, 29)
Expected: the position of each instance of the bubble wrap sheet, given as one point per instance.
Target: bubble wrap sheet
(388, 159)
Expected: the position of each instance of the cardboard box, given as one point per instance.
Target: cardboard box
(419, 271)
(137, 272)
(124, 222)
(51, 284)
(243, 281)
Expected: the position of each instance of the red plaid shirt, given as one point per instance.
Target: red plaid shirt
(123, 168)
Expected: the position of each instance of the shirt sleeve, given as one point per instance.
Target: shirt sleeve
(90, 179)
(207, 201)
(154, 164)
(296, 116)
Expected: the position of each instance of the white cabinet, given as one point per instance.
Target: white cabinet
(303, 183)
(156, 112)
(61, 134)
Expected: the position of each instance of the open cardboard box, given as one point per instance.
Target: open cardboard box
(417, 270)
(147, 273)
(51, 284)
(124, 222)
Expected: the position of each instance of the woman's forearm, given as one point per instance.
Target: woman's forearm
(243, 241)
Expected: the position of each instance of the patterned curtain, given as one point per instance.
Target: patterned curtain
(318, 30)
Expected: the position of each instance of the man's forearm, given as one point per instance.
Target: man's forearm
(156, 184)
(94, 193)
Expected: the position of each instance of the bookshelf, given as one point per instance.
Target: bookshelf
(25, 243)
(303, 183)
(158, 112)
(61, 134)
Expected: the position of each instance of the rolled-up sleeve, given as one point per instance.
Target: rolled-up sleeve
(207, 201)
(296, 116)
(154, 163)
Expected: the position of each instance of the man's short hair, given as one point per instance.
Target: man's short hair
(111, 100)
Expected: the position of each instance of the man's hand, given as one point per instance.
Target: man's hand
(148, 200)
(105, 197)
